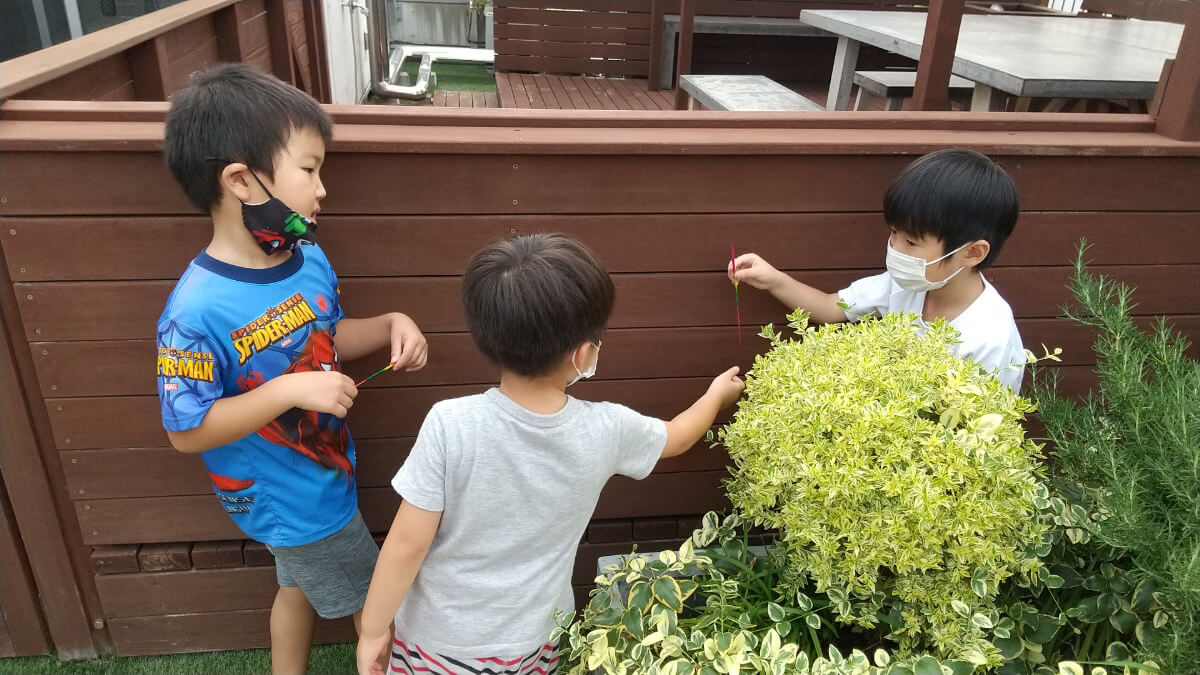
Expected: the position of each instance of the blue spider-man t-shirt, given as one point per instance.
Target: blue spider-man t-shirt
(227, 330)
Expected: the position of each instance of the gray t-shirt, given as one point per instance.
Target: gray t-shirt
(516, 490)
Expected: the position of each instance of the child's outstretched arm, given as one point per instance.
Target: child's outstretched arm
(690, 425)
(356, 338)
(403, 552)
(235, 417)
(752, 269)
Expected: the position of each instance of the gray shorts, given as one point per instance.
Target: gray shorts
(333, 572)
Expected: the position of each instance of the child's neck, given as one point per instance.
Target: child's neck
(954, 298)
(543, 394)
(232, 243)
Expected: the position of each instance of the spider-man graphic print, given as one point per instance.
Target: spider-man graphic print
(227, 331)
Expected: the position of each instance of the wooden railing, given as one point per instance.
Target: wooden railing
(149, 57)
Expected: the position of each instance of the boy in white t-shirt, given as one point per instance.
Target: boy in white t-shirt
(949, 213)
(500, 486)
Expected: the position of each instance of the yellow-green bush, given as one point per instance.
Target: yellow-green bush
(898, 475)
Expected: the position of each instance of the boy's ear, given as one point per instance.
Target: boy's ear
(236, 181)
(976, 252)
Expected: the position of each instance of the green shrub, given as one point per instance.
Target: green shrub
(1134, 445)
(898, 475)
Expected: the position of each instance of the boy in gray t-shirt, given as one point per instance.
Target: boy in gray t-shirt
(499, 486)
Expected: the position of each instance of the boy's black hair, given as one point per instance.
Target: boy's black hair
(957, 196)
(233, 113)
(531, 299)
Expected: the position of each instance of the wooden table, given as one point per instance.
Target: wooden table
(1024, 56)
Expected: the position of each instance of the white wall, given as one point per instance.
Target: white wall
(346, 44)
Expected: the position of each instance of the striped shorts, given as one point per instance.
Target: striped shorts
(410, 659)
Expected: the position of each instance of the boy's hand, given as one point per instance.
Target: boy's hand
(409, 349)
(326, 391)
(727, 387)
(750, 268)
(373, 652)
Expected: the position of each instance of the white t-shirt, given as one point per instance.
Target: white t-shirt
(516, 490)
(986, 327)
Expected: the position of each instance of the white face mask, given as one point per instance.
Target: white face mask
(589, 371)
(908, 271)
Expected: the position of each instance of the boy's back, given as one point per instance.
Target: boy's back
(516, 490)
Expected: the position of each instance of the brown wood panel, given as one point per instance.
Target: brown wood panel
(92, 82)
(188, 592)
(115, 559)
(1150, 10)
(570, 50)
(35, 495)
(215, 554)
(586, 66)
(82, 248)
(86, 423)
(165, 557)
(117, 368)
(129, 310)
(162, 472)
(148, 64)
(22, 621)
(587, 36)
(209, 631)
(572, 17)
(201, 518)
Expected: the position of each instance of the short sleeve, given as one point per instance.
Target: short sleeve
(421, 480)
(868, 296)
(640, 441)
(335, 313)
(190, 376)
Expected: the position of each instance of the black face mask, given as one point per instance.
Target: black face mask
(275, 226)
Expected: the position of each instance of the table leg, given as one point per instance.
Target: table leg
(987, 98)
(666, 72)
(844, 62)
(863, 100)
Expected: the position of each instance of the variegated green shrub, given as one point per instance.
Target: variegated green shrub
(898, 475)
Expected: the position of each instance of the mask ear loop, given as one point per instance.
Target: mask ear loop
(255, 175)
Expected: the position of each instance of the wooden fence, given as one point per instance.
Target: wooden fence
(623, 38)
(147, 58)
(89, 257)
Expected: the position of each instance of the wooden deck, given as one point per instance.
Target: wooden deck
(563, 92)
(566, 92)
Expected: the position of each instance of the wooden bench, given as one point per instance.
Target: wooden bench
(896, 85)
(741, 93)
(724, 25)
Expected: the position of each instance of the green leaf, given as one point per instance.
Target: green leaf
(1070, 668)
(1010, 647)
(639, 596)
(927, 665)
(1054, 581)
(979, 583)
(1117, 651)
(959, 667)
(784, 628)
(982, 621)
(960, 608)
(775, 612)
(813, 621)
(1145, 632)
(687, 587)
(1143, 595)
(632, 622)
(1160, 619)
(666, 590)
(1123, 621)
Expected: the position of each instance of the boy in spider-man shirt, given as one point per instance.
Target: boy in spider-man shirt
(251, 342)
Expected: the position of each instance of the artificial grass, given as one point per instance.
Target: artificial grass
(326, 659)
(453, 76)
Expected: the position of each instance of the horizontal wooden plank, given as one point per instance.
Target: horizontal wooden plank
(82, 248)
(582, 36)
(124, 310)
(104, 80)
(87, 423)
(201, 518)
(210, 631)
(579, 184)
(571, 66)
(150, 111)
(117, 473)
(575, 17)
(117, 368)
(595, 5)
(187, 592)
(570, 50)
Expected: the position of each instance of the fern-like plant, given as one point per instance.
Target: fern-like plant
(1134, 444)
